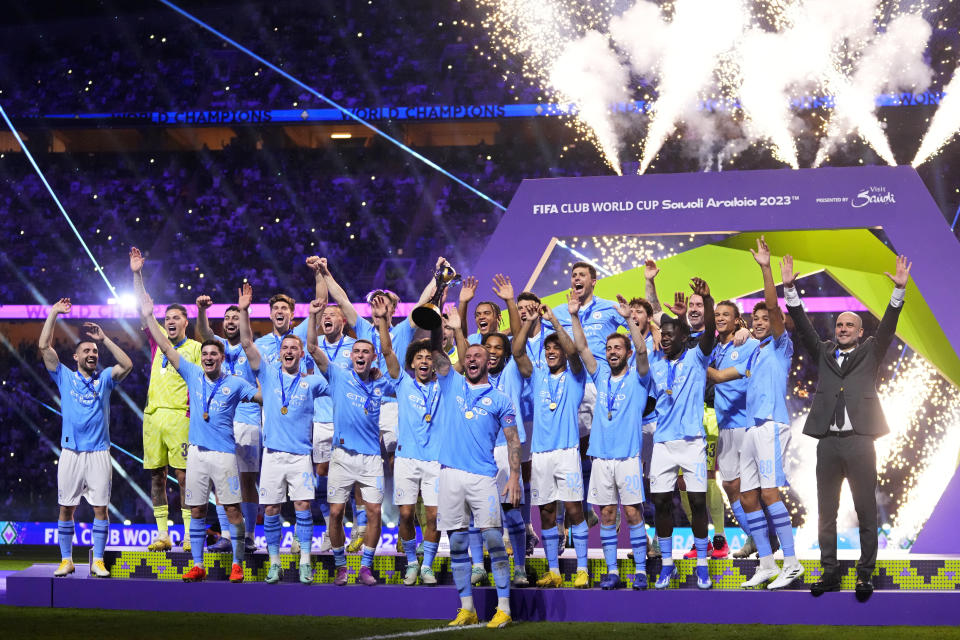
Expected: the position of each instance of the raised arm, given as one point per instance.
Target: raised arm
(888, 324)
(468, 289)
(650, 271)
(579, 337)
(455, 322)
(430, 289)
(566, 343)
(709, 336)
(441, 361)
(313, 346)
(50, 358)
(379, 310)
(136, 266)
(244, 296)
(320, 282)
(337, 294)
(148, 320)
(639, 340)
(124, 364)
(519, 348)
(203, 323)
(503, 288)
(762, 256)
(512, 492)
(808, 335)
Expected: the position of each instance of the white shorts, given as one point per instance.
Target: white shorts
(669, 457)
(322, 441)
(206, 467)
(501, 456)
(616, 480)
(585, 412)
(463, 494)
(762, 454)
(646, 445)
(556, 475)
(525, 453)
(86, 474)
(415, 477)
(286, 474)
(389, 417)
(247, 437)
(729, 444)
(347, 469)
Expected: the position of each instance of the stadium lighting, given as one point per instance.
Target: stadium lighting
(341, 136)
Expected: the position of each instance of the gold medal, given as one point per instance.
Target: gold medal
(748, 373)
(283, 410)
(206, 416)
(468, 415)
(669, 392)
(427, 418)
(609, 415)
(553, 406)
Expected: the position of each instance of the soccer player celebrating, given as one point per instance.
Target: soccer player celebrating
(486, 315)
(356, 456)
(679, 442)
(85, 468)
(557, 393)
(246, 425)
(768, 433)
(166, 419)
(474, 412)
(528, 307)
(212, 454)
(615, 440)
(287, 469)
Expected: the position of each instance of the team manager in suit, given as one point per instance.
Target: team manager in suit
(846, 418)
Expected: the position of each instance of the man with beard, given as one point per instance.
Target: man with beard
(85, 467)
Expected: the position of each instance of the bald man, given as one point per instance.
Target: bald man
(846, 418)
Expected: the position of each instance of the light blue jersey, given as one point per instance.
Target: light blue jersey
(419, 412)
(475, 338)
(512, 383)
(401, 335)
(85, 405)
(290, 431)
(600, 318)
(474, 418)
(617, 415)
(269, 347)
(356, 410)
(678, 386)
(769, 367)
(338, 353)
(235, 363)
(218, 401)
(557, 428)
(653, 355)
(535, 347)
(730, 398)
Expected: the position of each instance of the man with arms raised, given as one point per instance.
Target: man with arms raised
(211, 458)
(166, 418)
(85, 468)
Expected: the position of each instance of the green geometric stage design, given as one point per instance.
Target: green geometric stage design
(727, 574)
(855, 258)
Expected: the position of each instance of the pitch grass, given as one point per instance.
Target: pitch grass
(66, 624)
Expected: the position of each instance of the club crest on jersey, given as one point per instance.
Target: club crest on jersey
(303, 384)
(735, 355)
(225, 391)
(241, 359)
(378, 392)
(596, 315)
(487, 402)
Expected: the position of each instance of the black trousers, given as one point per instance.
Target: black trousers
(854, 458)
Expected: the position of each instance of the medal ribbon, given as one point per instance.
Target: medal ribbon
(473, 403)
(611, 398)
(164, 361)
(89, 384)
(283, 392)
(206, 400)
(554, 391)
(366, 390)
(756, 353)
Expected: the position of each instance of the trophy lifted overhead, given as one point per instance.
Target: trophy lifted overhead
(428, 316)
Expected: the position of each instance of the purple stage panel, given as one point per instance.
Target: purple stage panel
(33, 587)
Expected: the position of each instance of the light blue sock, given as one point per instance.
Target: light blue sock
(237, 533)
(429, 553)
(638, 541)
(771, 526)
(701, 546)
(198, 531)
(608, 540)
(581, 539)
(322, 498)
(666, 550)
(224, 521)
(361, 516)
(249, 511)
(410, 549)
(476, 545)
(550, 538)
(498, 561)
(65, 529)
(366, 560)
(781, 519)
(303, 529)
(460, 562)
(737, 509)
(101, 528)
(271, 530)
(339, 556)
(758, 529)
(517, 530)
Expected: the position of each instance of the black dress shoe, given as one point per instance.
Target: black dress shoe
(827, 582)
(863, 590)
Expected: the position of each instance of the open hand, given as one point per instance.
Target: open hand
(244, 296)
(502, 287)
(902, 276)
(93, 331)
(762, 254)
(136, 260)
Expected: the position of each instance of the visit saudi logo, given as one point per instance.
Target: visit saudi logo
(872, 195)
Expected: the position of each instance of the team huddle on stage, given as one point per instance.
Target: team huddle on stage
(478, 427)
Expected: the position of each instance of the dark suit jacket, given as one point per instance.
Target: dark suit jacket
(856, 380)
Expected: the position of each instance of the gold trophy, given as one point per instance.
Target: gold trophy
(429, 315)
